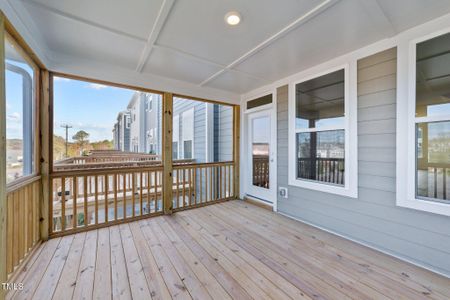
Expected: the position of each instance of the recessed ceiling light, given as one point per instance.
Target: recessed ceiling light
(233, 18)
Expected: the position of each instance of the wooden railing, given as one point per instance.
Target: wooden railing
(330, 170)
(106, 157)
(84, 199)
(75, 164)
(22, 221)
(261, 171)
(201, 184)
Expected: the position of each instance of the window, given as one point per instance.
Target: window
(174, 150)
(320, 129)
(261, 101)
(149, 103)
(187, 145)
(424, 153)
(20, 113)
(187, 127)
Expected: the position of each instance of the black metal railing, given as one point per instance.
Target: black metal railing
(329, 170)
(261, 171)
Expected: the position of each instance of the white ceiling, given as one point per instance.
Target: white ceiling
(185, 46)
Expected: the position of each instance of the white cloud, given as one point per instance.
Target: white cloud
(14, 117)
(61, 79)
(97, 86)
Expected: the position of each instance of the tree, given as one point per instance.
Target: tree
(81, 138)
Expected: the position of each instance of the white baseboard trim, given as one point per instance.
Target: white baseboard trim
(367, 245)
(256, 199)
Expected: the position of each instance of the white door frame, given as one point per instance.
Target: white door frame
(271, 110)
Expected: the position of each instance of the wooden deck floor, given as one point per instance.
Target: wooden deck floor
(230, 250)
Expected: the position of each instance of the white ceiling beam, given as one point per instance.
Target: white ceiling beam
(187, 55)
(379, 17)
(82, 20)
(296, 23)
(205, 61)
(163, 14)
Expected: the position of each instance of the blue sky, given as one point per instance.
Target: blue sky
(87, 106)
(14, 113)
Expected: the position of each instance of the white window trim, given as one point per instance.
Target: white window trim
(350, 189)
(406, 121)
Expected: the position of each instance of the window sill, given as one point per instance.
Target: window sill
(325, 188)
(425, 205)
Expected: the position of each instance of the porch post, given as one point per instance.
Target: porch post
(45, 159)
(236, 148)
(3, 209)
(167, 162)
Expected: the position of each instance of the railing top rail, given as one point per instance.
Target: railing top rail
(105, 165)
(104, 171)
(208, 164)
(321, 158)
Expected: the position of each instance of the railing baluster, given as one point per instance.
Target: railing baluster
(74, 202)
(200, 175)
(189, 186)
(149, 195)
(96, 199)
(445, 184)
(63, 203)
(133, 191)
(177, 201)
(106, 197)
(155, 198)
(435, 182)
(124, 192)
(85, 188)
(115, 197)
(183, 172)
(140, 193)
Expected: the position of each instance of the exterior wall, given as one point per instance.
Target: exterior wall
(137, 128)
(199, 143)
(121, 133)
(373, 218)
(152, 123)
(125, 137)
(225, 133)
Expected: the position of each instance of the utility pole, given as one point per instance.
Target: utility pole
(66, 126)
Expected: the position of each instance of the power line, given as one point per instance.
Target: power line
(67, 127)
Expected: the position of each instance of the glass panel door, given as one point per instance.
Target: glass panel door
(260, 151)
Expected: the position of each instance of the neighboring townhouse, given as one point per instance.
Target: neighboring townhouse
(121, 132)
(136, 108)
(201, 131)
(151, 123)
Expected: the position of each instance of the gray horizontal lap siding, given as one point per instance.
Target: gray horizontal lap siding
(373, 218)
(179, 106)
(225, 134)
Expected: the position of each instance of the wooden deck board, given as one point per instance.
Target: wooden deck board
(230, 250)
